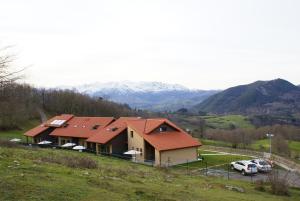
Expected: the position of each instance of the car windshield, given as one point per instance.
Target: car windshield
(252, 165)
(263, 163)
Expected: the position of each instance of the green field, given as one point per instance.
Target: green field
(225, 122)
(215, 159)
(6, 135)
(213, 121)
(294, 146)
(261, 144)
(215, 143)
(24, 176)
(265, 144)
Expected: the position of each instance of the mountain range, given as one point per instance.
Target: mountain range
(275, 97)
(154, 96)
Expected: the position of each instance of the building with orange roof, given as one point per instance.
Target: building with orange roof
(112, 139)
(78, 129)
(158, 140)
(42, 131)
(161, 141)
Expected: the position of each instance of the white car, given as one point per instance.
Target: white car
(262, 165)
(246, 167)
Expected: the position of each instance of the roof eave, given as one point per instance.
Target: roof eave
(170, 149)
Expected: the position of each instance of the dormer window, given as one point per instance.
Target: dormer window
(95, 127)
(114, 129)
(163, 129)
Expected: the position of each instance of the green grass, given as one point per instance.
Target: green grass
(213, 121)
(261, 144)
(216, 159)
(226, 122)
(114, 179)
(18, 133)
(215, 143)
(265, 144)
(294, 146)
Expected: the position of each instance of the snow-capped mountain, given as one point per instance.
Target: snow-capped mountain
(155, 96)
(128, 86)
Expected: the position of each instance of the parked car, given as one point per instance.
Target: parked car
(262, 165)
(245, 167)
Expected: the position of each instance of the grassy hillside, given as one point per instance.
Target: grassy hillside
(24, 175)
(294, 146)
(6, 135)
(225, 122)
(213, 121)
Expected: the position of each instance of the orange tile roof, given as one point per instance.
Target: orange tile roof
(63, 117)
(44, 126)
(164, 140)
(35, 131)
(112, 130)
(152, 124)
(171, 140)
(148, 125)
(82, 127)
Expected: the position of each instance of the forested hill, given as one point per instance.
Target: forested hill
(275, 97)
(20, 103)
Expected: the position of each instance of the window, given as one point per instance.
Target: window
(114, 129)
(131, 134)
(95, 127)
(163, 129)
(141, 150)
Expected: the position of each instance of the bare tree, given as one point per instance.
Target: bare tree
(7, 74)
(279, 182)
(280, 145)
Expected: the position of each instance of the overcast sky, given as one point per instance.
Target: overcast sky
(200, 44)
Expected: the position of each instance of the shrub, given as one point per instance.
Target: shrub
(72, 161)
(6, 143)
(279, 183)
(260, 185)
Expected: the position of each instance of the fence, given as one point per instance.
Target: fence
(200, 167)
(104, 154)
(286, 163)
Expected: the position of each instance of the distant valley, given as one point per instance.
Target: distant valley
(278, 97)
(154, 96)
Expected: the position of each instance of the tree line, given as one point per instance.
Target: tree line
(245, 137)
(22, 102)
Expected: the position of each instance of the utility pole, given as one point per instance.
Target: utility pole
(270, 136)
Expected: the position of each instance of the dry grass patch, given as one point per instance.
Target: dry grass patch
(72, 161)
(6, 143)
